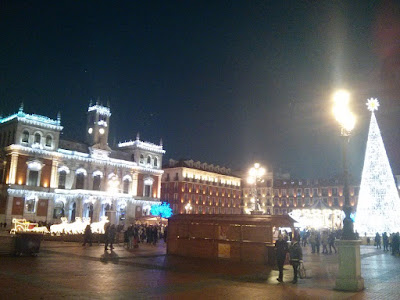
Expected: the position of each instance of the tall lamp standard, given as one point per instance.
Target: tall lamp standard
(256, 174)
(349, 275)
(346, 120)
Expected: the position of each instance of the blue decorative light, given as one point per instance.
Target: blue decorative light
(163, 210)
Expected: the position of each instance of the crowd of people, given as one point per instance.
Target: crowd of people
(391, 242)
(133, 235)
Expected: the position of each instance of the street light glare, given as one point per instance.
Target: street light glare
(341, 98)
(341, 110)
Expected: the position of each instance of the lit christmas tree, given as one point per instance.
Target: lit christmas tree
(378, 208)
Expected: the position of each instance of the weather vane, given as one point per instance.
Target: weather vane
(372, 104)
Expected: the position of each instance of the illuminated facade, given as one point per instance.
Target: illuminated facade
(199, 188)
(313, 203)
(44, 178)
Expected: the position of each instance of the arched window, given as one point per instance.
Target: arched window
(149, 159)
(37, 138)
(58, 210)
(25, 136)
(155, 163)
(62, 177)
(141, 159)
(126, 186)
(96, 182)
(133, 157)
(80, 181)
(49, 141)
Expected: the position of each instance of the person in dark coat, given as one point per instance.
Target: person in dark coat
(385, 240)
(107, 236)
(281, 248)
(165, 233)
(87, 235)
(112, 233)
(296, 257)
(378, 240)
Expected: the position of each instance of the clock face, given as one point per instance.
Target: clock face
(101, 130)
(90, 130)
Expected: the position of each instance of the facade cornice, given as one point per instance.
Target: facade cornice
(79, 156)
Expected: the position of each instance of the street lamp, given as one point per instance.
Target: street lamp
(256, 174)
(349, 275)
(188, 208)
(346, 120)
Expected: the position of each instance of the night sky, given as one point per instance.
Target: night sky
(223, 82)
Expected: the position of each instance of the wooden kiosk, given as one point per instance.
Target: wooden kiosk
(244, 238)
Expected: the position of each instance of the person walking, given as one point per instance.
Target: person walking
(312, 241)
(385, 240)
(87, 235)
(378, 240)
(296, 257)
(281, 249)
(112, 234)
(324, 242)
(107, 236)
(331, 241)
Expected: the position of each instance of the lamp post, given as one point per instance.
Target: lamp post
(349, 275)
(346, 121)
(256, 174)
(188, 208)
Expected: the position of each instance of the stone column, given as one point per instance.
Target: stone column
(13, 168)
(54, 173)
(10, 200)
(50, 208)
(159, 186)
(349, 275)
(134, 184)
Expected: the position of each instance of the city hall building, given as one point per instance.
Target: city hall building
(44, 177)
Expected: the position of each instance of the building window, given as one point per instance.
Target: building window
(96, 182)
(307, 192)
(30, 205)
(149, 159)
(133, 157)
(49, 141)
(155, 162)
(37, 138)
(324, 192)
(80, 181)
(335, 201)
(200, 209)
(283, 192)
(58, 211)
(25, 137)
(147, 190)
(298, 192)
(33, 178)
(126, 186)
(141, 159)
(62, 177)
(334, 192)
(315, 192)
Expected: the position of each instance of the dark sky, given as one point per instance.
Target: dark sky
(225, 82)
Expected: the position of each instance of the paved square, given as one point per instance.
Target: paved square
(70, 271)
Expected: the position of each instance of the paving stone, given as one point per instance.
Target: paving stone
(70, 271)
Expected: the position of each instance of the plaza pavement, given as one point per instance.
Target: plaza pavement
(70, 271)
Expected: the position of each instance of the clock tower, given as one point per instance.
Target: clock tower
(98, 121)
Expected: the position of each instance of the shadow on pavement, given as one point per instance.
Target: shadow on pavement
(109, 257)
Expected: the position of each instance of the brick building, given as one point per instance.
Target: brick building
(200, 188)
